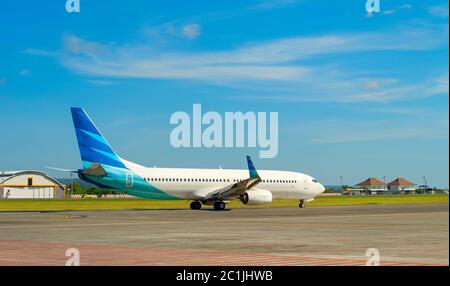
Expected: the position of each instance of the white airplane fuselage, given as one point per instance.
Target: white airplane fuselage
(191, 184)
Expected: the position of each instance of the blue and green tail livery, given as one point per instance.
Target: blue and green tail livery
(251, 168)
(102, 166)
(93, 146)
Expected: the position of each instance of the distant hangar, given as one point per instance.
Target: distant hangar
(29, 185)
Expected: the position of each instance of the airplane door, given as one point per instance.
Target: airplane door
(305, 183)
(129, 180)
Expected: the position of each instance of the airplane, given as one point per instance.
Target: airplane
(217, 187)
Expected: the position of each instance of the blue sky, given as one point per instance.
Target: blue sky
(358, 95)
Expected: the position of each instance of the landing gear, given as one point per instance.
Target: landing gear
(301, 204)
(219, 206)
(196, 205)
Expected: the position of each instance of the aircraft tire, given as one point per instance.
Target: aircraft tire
(301, 204)
(219, 206)
(196, 205)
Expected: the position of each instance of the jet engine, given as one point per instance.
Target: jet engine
(256, 197)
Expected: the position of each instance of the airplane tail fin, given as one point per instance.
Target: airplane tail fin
(92, 145)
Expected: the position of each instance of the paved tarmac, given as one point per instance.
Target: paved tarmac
(415, 234)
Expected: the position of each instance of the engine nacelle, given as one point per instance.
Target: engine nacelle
(256, 197)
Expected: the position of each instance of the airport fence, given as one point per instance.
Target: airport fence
(105, 196)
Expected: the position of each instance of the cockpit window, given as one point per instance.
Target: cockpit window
(314, 180)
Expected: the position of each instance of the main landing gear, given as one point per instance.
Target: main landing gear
(196, 205)
(219, 206)
(301, 204)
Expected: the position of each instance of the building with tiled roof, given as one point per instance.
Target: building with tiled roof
(402, 185)
(370, 186)
(371, 183)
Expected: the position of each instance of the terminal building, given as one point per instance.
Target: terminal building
(29, 185)
(373, 186)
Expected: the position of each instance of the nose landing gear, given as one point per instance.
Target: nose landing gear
(301, 204)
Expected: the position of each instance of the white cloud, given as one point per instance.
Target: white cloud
(350, 90)
(275, 70)
(439, 85)
(439, 11)
(393, 11)
(191, 31)
(275, 60)
(272, 4)
(393, 110)
(345, 131)
(38, 52)
(24, 72)
(168, 31)
(79, 46)
(388, 12)
(99, 82)
(372, 84)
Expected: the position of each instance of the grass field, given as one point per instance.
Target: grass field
(121, 204)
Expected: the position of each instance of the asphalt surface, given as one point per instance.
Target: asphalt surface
(402, 234)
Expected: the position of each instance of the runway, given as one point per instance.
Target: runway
(403, 234)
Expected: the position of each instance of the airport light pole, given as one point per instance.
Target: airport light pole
(425, 186)
(3, 181)
(384, 183)
(71, 182)
(341, 185)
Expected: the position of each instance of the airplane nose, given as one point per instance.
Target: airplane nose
(321, 188)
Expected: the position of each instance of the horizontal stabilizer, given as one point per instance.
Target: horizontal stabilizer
(62, 170)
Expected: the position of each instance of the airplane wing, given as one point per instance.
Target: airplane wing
(238, 188)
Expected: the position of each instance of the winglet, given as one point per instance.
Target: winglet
(251, 168)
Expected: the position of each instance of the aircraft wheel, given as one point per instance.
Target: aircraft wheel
(301, 204)
(219, 205)
(196, 205)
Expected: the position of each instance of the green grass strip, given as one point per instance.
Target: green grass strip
(124, 204)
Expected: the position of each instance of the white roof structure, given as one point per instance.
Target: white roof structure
(7, 175)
